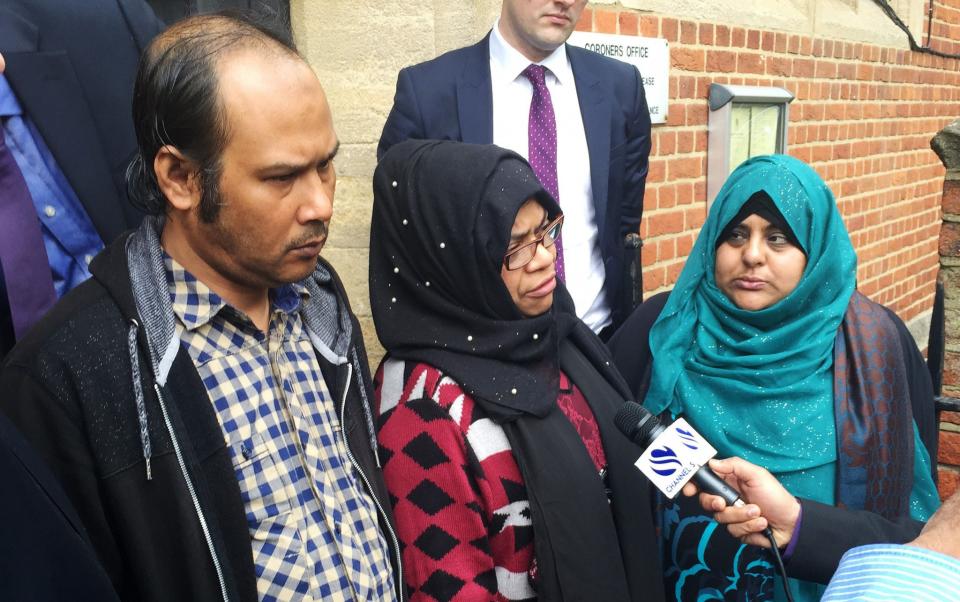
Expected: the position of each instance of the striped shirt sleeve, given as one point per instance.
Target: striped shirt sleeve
(894, 572)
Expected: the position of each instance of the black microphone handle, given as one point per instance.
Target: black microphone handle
(709, 482)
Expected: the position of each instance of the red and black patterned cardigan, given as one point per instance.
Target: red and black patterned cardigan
(459, 501)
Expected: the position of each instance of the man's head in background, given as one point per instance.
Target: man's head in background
(536, 28)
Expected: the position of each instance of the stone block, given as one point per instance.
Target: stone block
(352, 267)
(950, 239)
(947, 145)
(350, 226)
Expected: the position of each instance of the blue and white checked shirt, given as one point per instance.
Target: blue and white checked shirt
(885, 572)
(313, 526)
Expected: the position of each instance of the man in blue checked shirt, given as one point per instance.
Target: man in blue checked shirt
(204, 397)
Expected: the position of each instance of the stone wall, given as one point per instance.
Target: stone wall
(947, 146)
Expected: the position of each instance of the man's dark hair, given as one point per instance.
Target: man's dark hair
(176, 100)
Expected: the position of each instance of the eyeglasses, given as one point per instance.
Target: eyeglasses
(524, 254)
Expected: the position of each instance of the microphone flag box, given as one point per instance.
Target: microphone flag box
(674, 456)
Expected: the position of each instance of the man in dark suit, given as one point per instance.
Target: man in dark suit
(65, 112)
(523, 85)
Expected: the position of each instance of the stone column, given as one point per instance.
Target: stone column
(947, 146)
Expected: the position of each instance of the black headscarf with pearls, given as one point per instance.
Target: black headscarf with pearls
(442, 217)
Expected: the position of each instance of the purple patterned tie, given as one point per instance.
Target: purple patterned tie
(26, 269)
(542, 142)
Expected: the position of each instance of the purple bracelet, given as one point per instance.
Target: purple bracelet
(793, 537)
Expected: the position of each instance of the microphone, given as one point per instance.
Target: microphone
(669, 470)
(673, 455)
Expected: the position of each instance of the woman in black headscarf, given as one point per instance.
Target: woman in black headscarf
(496, 403)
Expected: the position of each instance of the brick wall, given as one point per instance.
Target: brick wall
(863, 118)
(945, 26)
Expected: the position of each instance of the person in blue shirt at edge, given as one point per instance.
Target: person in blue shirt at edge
(767, 349)
(877, 566)
(66, 130)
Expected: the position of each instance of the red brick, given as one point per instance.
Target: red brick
(780, 42)
(665, 223)
(948, 481)
(723, 61)
(683, 168)
(629, 24)
(586, 20)
(722, 35)
(825, 69)
(667, 198)
(649, 26)
(656, 170)
(767, 41)
(802, 68)
(949, 448)
(688, 32)
(753, 39)
(951, 417)
(685, 142)
(793, 44)
(653, 279)
(749, 62)
(950, 240)
(706, 34)
(696, 114)
(605, 21)
(686, 86)
(951, 196)
(666, 142)
(673, 272)
(738, 37)
(669, 29)
(779, 66)
(687, 59)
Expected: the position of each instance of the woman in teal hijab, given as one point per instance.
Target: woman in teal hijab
(765, 347)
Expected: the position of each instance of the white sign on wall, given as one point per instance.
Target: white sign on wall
(650, 55)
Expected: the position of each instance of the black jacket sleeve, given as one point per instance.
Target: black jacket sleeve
(630, 344)
(55, 431)
(827, 532)
(638, 156)
(404, 121)
(45, 550)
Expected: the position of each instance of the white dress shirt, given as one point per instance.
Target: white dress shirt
(512, 93)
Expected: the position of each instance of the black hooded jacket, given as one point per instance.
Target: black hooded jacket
(161, 507)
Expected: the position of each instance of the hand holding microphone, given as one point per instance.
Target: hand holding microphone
(673, 455)
(746, 498)
(768, 503)
(676, 457)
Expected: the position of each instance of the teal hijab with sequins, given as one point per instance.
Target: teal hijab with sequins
(759, 384)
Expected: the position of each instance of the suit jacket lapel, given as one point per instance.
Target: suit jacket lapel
(475, 95)
(47, 87)
(595, 110)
